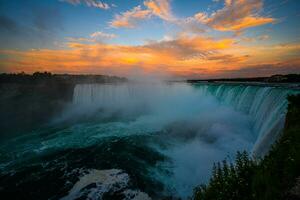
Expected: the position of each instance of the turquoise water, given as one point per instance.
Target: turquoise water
(140, 140)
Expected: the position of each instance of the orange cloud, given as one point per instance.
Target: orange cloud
(184, 56)
(160, 8)
(236, 15)
(167, 56)
(244, 23)
(129, 19)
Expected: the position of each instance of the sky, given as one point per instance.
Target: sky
(151, 38)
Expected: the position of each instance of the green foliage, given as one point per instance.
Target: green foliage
(268, 179)
(229, 181)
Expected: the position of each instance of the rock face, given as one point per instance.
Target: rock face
(24, 106)
(28, 101)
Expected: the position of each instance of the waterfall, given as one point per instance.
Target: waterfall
(265, 105)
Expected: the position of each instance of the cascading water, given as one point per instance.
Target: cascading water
(137, 140)
(259, 121)
(265, 105)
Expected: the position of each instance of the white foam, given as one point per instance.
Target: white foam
(112, 181)
(135, 195)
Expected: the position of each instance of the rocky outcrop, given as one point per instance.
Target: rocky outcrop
(29, 101)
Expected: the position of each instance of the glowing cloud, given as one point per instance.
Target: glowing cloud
(181, 54)
(160, 8)
(194, 46)
(236, 15)
(129, 19)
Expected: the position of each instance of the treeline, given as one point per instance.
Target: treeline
(47, 76)
(289, 78)
(275, 177)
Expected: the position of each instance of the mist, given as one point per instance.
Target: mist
(197, 130)
(163, 136)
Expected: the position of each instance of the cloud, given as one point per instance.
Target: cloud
(89, 3)
(99, 36)
(80, 39)
(185, 56)
(236, 15)
(129, 19)
(202, 17)
(160, 8)
(190, 25)
(47, 18)
(267, 69)
(95, 37)
(258, 38)
(171, 57)
(42, 28)
(260, 70)
(263, 37)
(185, 47)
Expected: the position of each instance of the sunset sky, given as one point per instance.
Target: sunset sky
(155, 38)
